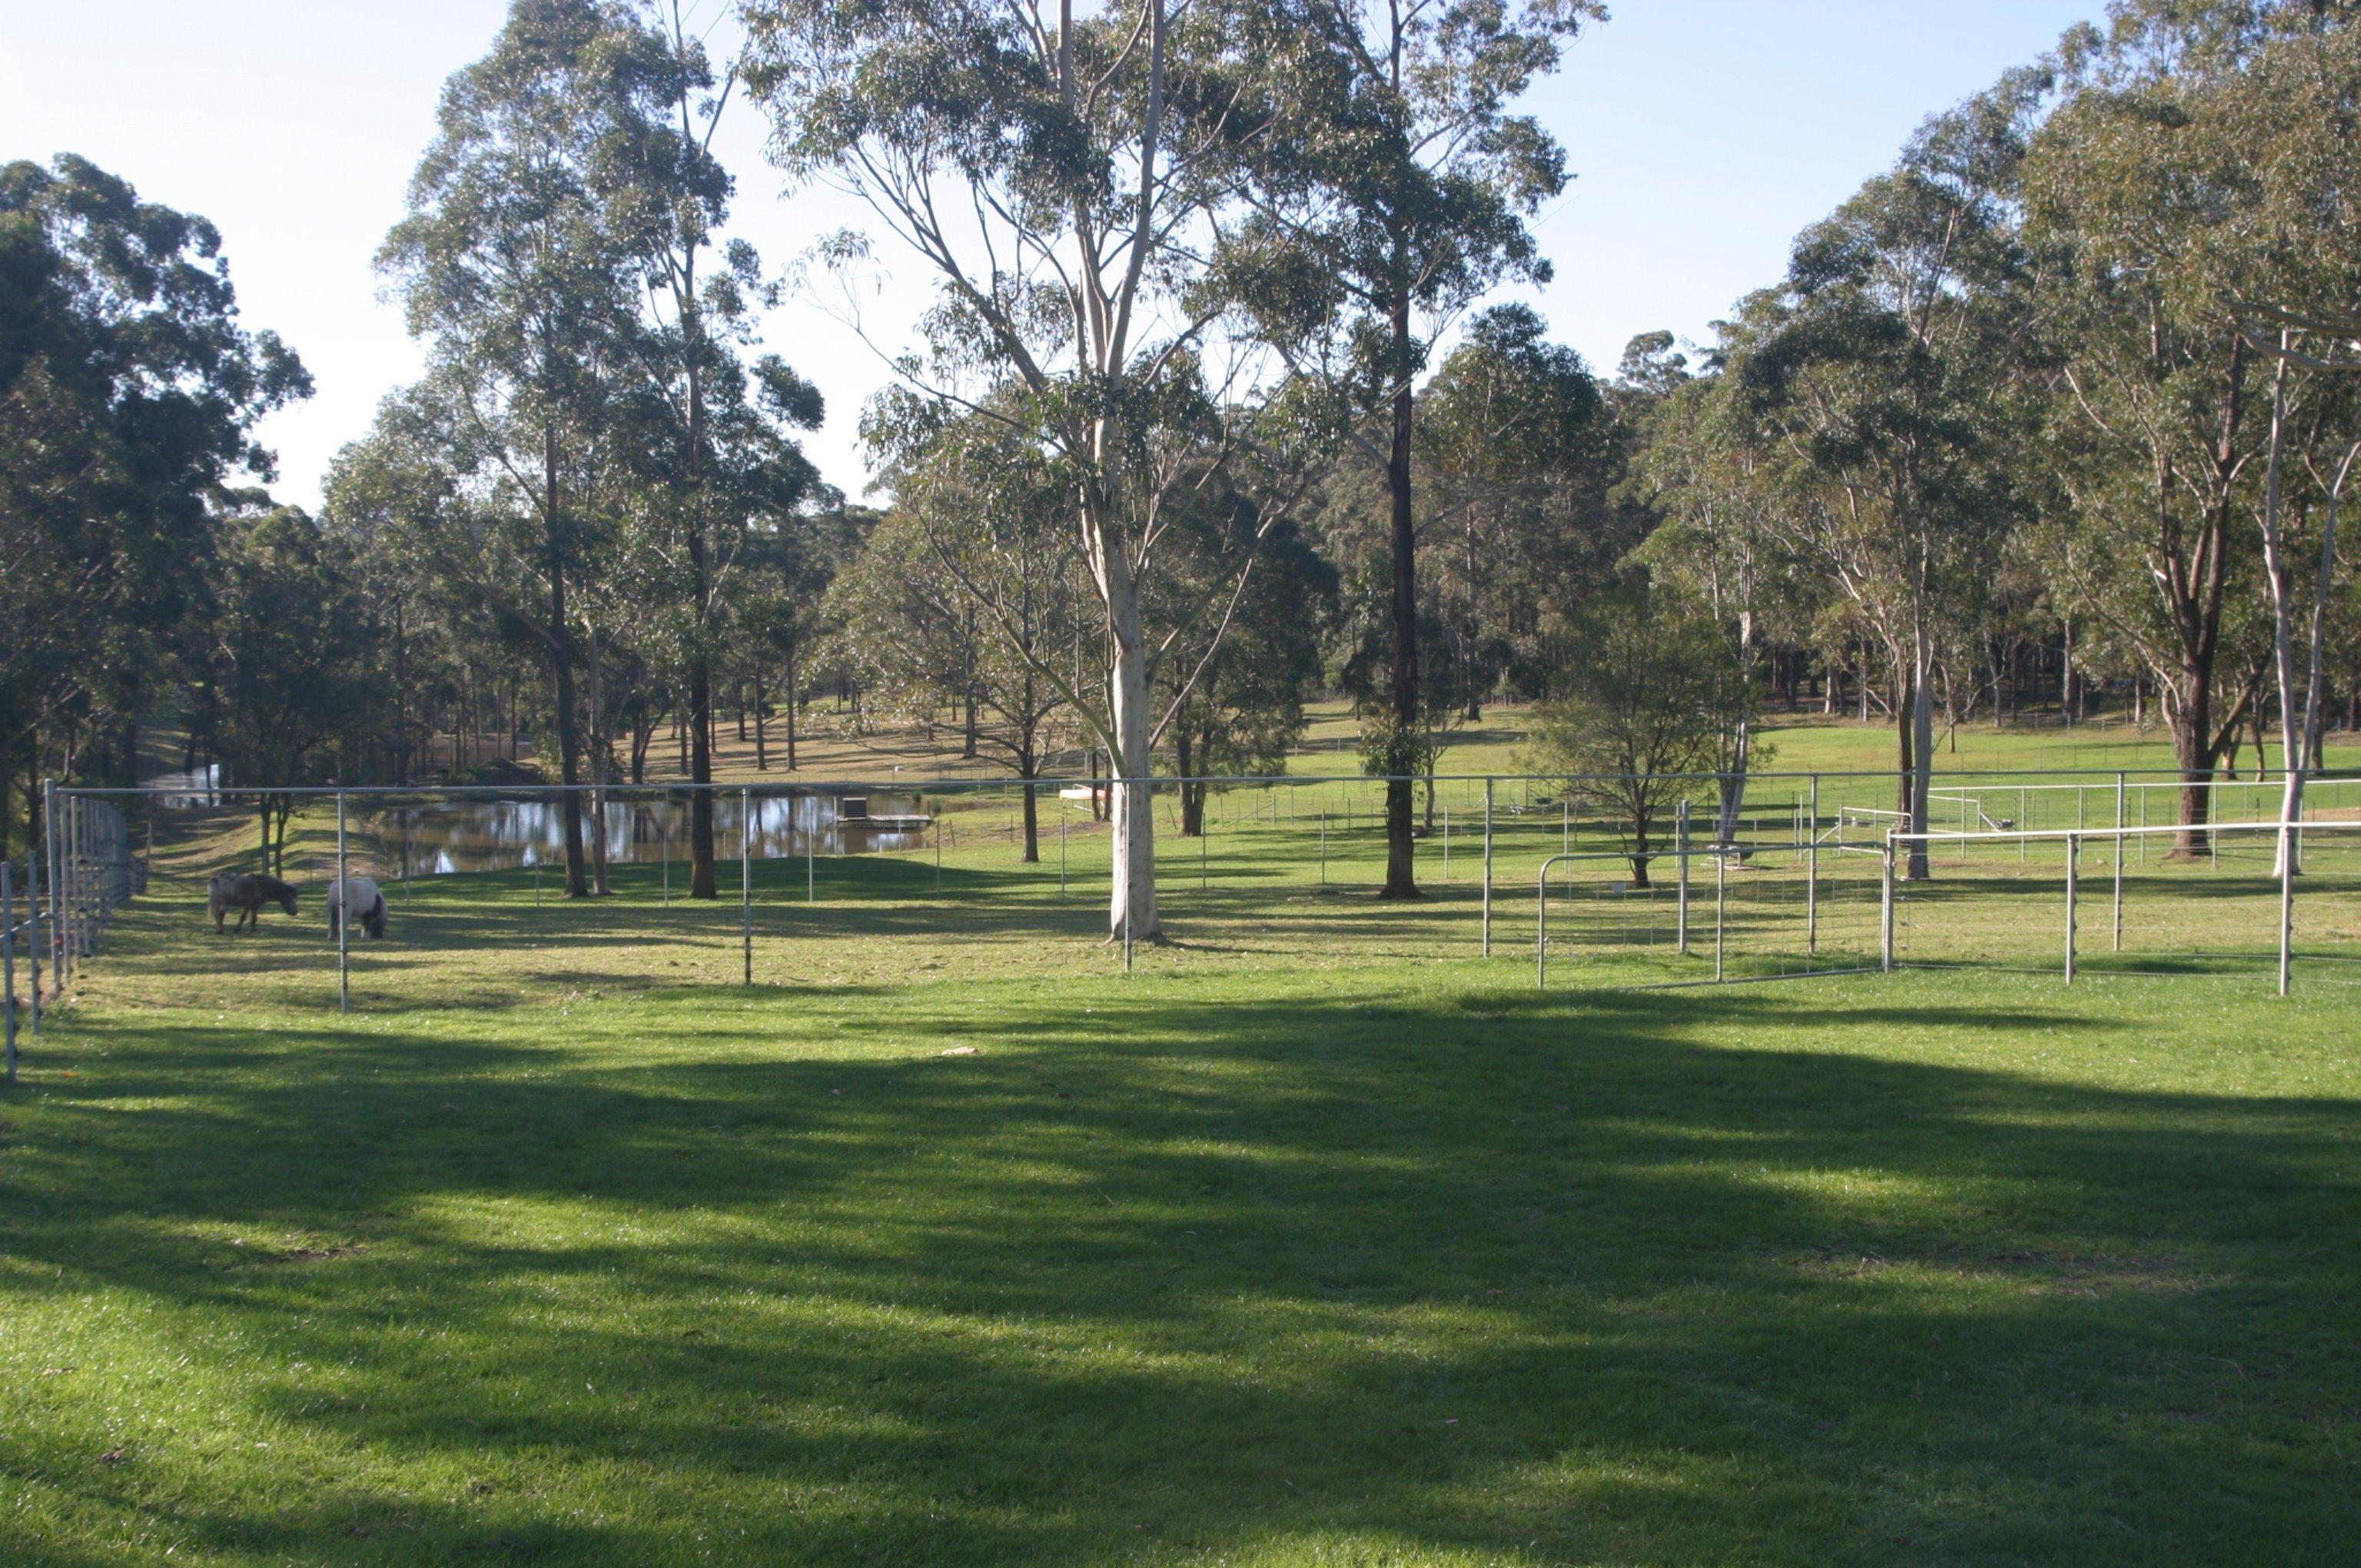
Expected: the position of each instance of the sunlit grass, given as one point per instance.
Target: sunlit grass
(1342, 1266)
(1319, 1239)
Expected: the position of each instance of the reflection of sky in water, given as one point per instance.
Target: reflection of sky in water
(491, 835)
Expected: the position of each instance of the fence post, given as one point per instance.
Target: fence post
(8, 960)
(1681, 881)
(1323, 849)
(1204, 839)
(2119, 864)
(1541, 929)
(1885, 910)
(663, 831)
(1488, 865)
(35, 924)
(1720, 894)
(811, 850)
(1130, 818)
(2286, 908)
(745, 883)
(69, 934)
(62, 965)
(1446, 843)
(1812, 873)
(1062, 844)
(57, 898)
(82, 901)
(340, 905)
(939, 852)
(2073, 858)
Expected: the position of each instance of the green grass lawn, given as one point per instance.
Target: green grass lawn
(1809, 742)
(1318, 1240)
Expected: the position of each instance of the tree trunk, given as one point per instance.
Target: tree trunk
(1922, 739)
(1133, 896)
(792, 696)
(2192, 716)
(561, 660)
(1401, 870)
(761, 724)
(1029, 768)
(1183, 761)
(598, 758)
(700, 772)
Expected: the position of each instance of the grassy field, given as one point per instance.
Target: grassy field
(1805, 742)
(1187, 1270)
(1320, 1240)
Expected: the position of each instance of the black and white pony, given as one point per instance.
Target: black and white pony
(364, 898)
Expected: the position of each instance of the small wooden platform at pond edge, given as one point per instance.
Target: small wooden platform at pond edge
(852, 811)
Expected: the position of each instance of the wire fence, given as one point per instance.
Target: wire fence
(54, 913)
(2126, 901)
(820, 883)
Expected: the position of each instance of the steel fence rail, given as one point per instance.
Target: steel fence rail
(1803, 880)
(2286, 837)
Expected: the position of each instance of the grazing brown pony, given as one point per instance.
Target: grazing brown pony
(245, 892)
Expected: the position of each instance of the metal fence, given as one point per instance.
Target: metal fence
(2125, 901)
(53, 912)
(1790, 879)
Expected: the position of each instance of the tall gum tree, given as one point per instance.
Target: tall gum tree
(1062, 176)
(130, 392)
(2140, 204)
(1390, 191)
(1881, 368)
(510, 267)
(668, 197)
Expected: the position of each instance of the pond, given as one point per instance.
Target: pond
(444, 837)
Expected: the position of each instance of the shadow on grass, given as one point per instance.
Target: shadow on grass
(1501, 1275)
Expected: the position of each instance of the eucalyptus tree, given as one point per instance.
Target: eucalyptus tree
(710, 432)
(1233, 691)
(1524, 455)
(1392, 189)
(1712, 474)
(1655, 699)
(1882, 368)
(1061, 177)
(2140, 202)
(512, 263)
(970, 585)
(1518, 520)
(2286, 111)
(129, 392)
(290, 652)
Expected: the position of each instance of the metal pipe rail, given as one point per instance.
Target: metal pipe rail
(2161, 777)
(1720, 853)
(2259, 826)
(2289, 834)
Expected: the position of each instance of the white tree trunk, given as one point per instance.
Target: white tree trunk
(2282, 633)
(1132, 895)
(1922, 742)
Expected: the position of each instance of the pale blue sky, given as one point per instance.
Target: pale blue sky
(1705, 134)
